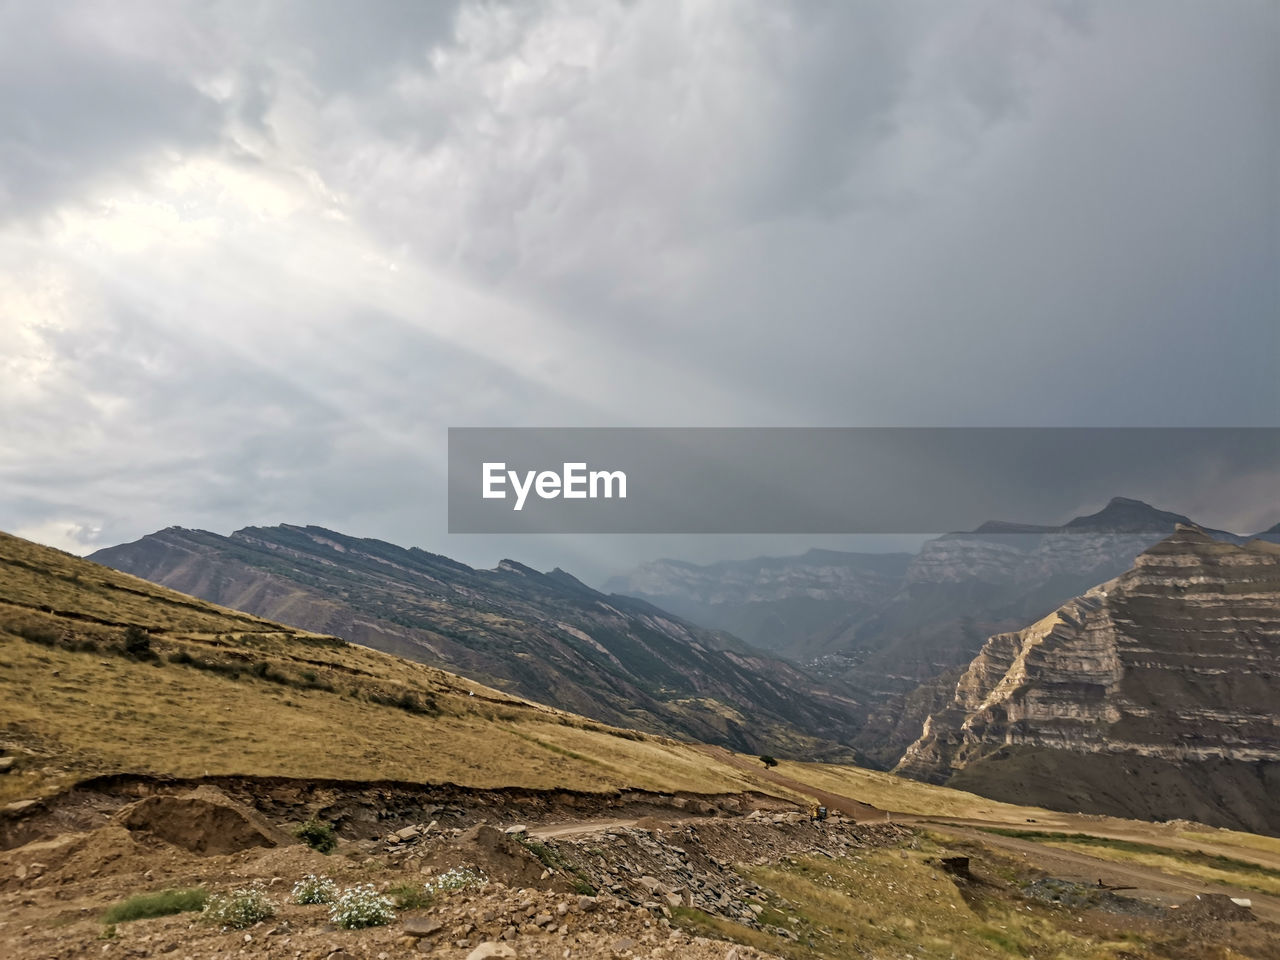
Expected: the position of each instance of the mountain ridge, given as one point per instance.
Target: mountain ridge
(547, 636)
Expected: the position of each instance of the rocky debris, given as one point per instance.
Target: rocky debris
(204, 821)
(692, 864)
(1081, 896)
(1214, 908)
(670, 864)
(422, 926)
(507, 921)
(489, 950)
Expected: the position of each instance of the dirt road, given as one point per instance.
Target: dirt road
(835, 801)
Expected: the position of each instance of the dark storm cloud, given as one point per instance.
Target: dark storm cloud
(256, 258)
(72, 108)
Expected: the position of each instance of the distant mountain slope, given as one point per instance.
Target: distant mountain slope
(103, 673)
(1155, 695)
(897, 630)
(544, 636)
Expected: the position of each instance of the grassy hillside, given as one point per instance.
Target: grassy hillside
(211, 690)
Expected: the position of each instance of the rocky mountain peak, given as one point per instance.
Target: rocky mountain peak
(1126, 515)
(1168, 674)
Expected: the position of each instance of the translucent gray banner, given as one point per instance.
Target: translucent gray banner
(834, 481)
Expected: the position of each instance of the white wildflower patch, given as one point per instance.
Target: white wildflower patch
(240, 908)
(313, 889)
(459, 878)
(362, 906)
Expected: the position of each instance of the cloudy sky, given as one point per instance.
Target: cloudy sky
(257, 257)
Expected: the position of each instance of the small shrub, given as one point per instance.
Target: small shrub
(408, 701)
(182, 657)
(137, 642)
(362, 906)
(552, 860)
(768, 761)
(240, 908)
(40, 634)
(160, 904)
(317, 835)
(263, 671)
(313, 889)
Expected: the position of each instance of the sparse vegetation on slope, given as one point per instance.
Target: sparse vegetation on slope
(161, 904)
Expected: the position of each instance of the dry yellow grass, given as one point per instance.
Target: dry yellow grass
(1245, 841)
(890, 792)
(230, 693)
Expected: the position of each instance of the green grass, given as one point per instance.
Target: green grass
(410, 896)
(317, 835)
(160, 904)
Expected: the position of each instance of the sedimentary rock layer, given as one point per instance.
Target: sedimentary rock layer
(1165, 679)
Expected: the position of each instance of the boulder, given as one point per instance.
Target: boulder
(490, 950)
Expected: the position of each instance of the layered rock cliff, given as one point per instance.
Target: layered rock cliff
(1156, 695)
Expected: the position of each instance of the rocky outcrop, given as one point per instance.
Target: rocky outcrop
(1156, 694)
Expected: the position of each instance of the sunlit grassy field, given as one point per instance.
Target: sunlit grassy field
(221, 692)
(890, 792)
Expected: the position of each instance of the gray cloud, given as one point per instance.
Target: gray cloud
(255, 258)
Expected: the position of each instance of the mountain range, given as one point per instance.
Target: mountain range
(897, 630)
(545, 636)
